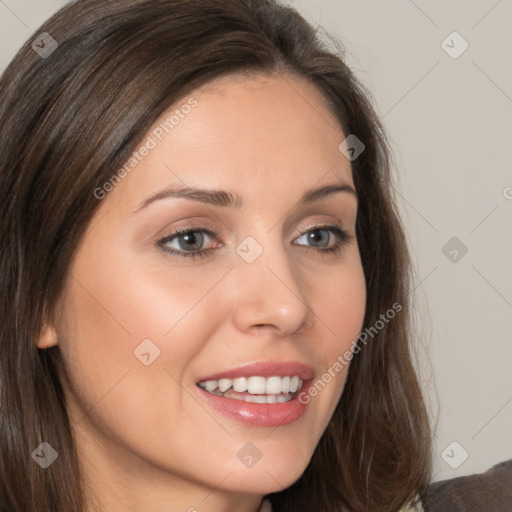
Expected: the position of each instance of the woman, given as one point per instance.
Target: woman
(204, 277)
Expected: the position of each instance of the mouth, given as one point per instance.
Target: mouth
(255, 389)
(264, 394)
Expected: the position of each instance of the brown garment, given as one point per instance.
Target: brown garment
(485, 492)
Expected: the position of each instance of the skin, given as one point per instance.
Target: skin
(146, 439)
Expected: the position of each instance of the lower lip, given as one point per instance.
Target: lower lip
(259, 415)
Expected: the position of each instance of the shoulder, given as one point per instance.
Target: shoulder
(417, 507)
(490, 491)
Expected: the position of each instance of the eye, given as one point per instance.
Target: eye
(187, 242)
(319, 237)
(325, 239)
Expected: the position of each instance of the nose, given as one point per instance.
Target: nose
(271, 294)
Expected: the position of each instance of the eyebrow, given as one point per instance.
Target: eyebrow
(223, 198)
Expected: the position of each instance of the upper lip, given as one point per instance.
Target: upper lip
(265, 369)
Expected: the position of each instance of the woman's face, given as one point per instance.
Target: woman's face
(264, 277)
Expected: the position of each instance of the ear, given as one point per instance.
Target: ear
(48, 337)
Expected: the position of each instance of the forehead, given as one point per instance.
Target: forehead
(277, 108)
(241, 132)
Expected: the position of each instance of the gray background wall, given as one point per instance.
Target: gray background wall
(448, 110)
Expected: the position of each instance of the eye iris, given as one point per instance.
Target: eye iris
(319, 235)
(194, 239)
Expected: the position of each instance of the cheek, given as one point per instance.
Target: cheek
(111, 390)
(339, 302)
(116, 317)
(113, 325)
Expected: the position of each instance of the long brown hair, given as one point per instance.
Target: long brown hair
(71, 119)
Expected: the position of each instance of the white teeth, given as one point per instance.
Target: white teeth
(256, 399)
(224, 384)
(210, 385)
(256, 385)
(285, 384)
(266, 399)
(271, 386)
(240, 384)
(294, 384)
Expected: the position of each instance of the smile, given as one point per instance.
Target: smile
(255, 389)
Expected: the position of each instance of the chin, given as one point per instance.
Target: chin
(263, 481)
(272, 473)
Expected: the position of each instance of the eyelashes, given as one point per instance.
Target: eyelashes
(186, 234)
(189, 235)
